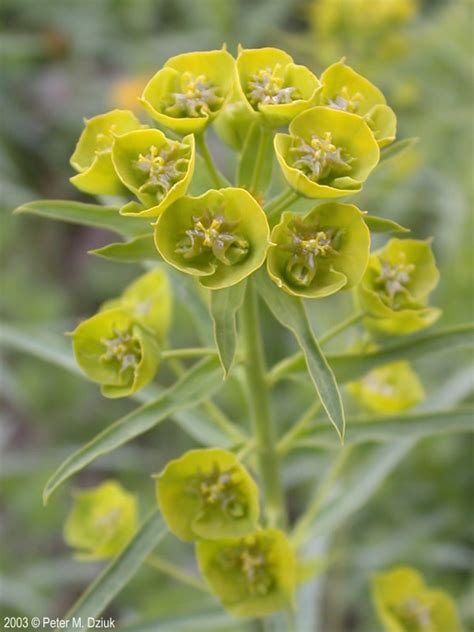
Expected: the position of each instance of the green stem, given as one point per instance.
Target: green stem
(216, 177)
(174, 571)
(275, 212)
(259, 160)
(286, 442)
(277, 200)
(259, 404)
(303, 526)
(187, 352)
(285, 366)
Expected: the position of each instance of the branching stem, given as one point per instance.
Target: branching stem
(217, 178)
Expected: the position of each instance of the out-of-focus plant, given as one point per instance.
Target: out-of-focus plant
(216, 236)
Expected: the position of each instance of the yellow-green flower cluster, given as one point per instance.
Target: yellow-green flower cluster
(207, 496)
(119, 347)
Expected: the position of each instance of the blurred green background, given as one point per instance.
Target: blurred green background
(63, 60)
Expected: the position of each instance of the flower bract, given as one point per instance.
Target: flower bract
(328, 153)
(321, 252)
(273, 87)
(252, 576)
(92, 156)
(116, 352)
(406, 604)
(156, 169)
(221, 236)
(190, 89)
(101, 522)
(394, 290)
(208, 494)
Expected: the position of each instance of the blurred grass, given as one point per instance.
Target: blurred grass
(62, 61)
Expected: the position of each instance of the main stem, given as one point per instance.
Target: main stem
(263, 429)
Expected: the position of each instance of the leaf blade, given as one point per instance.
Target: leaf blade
(224, 305)
(138, 249)
(397, 148)
(290, 312)
(92, 215)
(382, 225)
(196, 384)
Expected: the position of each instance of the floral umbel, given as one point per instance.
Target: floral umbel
(321, 252)
(221, 236)
(223, 246)
(395, 288)
(328, 153)
(406, 604)
(208, 494)
(252, 576)
(190, 89)
(101, 522)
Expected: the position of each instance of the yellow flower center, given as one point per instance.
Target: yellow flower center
(393, 280)
(163, 167)
(123, 349)
(415, 615)
(197, 98)
(320, 158)
(104, 140)
(253, 564)
(266, 87)
(343, 101)
(219, 488)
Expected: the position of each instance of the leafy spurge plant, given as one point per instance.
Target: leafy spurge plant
(241, 245)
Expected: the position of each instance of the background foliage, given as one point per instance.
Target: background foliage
(65, 60)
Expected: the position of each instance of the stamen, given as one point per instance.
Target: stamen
(219, 488)
(213, 234)
(267, 87)
(124, 349)
(254, 566)
(320, 158)
(163, 167)
(393, 280)
(308, 243)
(199, 97)
(343, 101)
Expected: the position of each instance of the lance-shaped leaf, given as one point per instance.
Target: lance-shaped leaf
(397, 148)
(93, 215)
(119, 572)
(382, 225)
(224, 305)
(194, 386)
(136, 250)
(290, 312)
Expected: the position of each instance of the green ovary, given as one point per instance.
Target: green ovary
(212, 234)
(345, 102)
(391, 282)
(319, 159)
(163, 167)
(267, 88)
(307, 245)
(198, 97)
(123, 350)
(218, 488)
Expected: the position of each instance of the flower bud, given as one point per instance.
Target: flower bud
(207, 494)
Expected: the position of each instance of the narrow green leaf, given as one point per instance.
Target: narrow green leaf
(290, 312)
(389, 428)
(382, 225)
(256, 161)
(95, 215)
(224, 305)
(397, 148)
(193, 387)
(136, 250)
(119, 572)
(352, 366)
